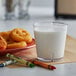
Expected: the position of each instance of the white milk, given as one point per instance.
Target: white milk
(50, 43)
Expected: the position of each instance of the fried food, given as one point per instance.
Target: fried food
(9, 41)
(5, 35)
(19, 34)
(3, 43)
(17, 45)
(16, 38)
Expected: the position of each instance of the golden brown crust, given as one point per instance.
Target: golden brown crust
(3, 43)
(5, 35)
(16, 38)
(17, 45)
(19, 34)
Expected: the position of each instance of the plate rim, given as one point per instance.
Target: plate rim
(18, 49)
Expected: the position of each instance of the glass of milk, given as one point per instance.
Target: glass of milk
(50, 40)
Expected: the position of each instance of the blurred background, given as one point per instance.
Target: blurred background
(21, 8)
(21, 12)
(42, 3)
(24, 9)
(44, 8)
